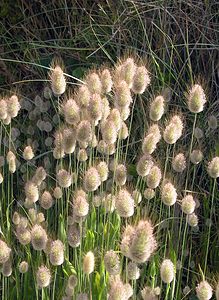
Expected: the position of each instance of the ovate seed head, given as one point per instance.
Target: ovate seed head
(43, 277)
(196, 99)
(204, 290)
(213, 167)
(88, 263)
(167, 271)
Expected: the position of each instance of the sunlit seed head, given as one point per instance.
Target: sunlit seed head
(3, 109)
(7, 120)
(105, 108)
(72, 281)
(83, 96)
(28, 153)
(56, 254)
(88, 263)
(173, 130)
(39, 176)
(157, 108)
(179, 163)
(11, 160)
(109, 132)
(71, 112)
(95, 107)
(58, 82)
(196, 99)
(149, 194)
(93, 142)
(58, 152)
(82, 155)
(188, 204)
(212, 122)
(124, 111)
(16, 218)
(38, 237)
(5, 252)
(196, 156)
(192, 220)
(80, 206)
(7, 268)
(154, 177)
(46, 200)
(102, 169)
(122, 94)
(149, 293)
(118, 290)
(123, 132)
(198, 133)
(133, 272)
(43, 277)
(84, 131)
(31, 191)
(69, 140)
(204, 291)
(106, 81)
(91, 179)
(23, 267)
(149, 144)
(1, 178)
(93, 83)
(57, 192)
(144, 165)
(40, 218)
(64, 178)
(13, 106)
(124, 204)
(120, 174)
(137, 197)
(115, 116)
(168, 194)
(111, 262)
(109, 203)
(167, 271)
(213, 167)
(32, 213)
(74, 235)
(141, 80)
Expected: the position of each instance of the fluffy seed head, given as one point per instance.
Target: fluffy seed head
(57, 192)
(198, 133)
(72, 281)
(192, 220)
(112, 263)
(173, 130)
(213, 167)
(23, 267)
(91, 179)
(157, 108)
(109, 203)
(3, 109)
(16, 218)
(56, 254)
(154, 177)
(1, 178)
(149, 144)
(168, 194)
(83, 96)
(133, 272)
(149, 193)
(31, 191)
(80, 205)
(109, 132)
(212, 122)
(58, 82)
(46, 200)
(74, 236)
(196, 99)
(95, 107)
(43, 277)
(122, 94)
(39, 176)
(94, 83)
(188, 204)
(105, 108)
(13, 106)
(123, 132)
(40, 218)
(11, 160)
(124, 111)
(118, 290)
(71, 112)
(23, 235)
(179, 163)
(88, 263)
(102, 169)
(204, 290)
(82, 155)
(124, 204)
(7, 268)
(137, 196)
(149, 293)
(64, 178)
(167, 271)
(115, 116)
(28, 153)
(38, 237)
(106, 81)
(196, 156)
(144, 165)
(141, 80)
(5, 252)
(84, 131)
(69, 140)
(120, 174)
